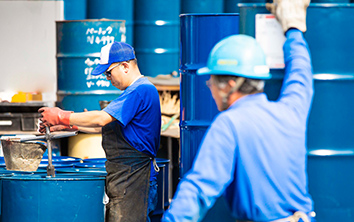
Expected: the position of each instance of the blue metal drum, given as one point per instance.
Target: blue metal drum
(156, 36)
(199, 34)
(163, 186)
(330, 1)
(331, 183)
(2, 162)
(62, 159)
(230, 6)
(84, 171)
(74, 9)
(99, 160)
(329, 135)
(78, 53)
(202, 6)
(112, 9)
(63, 198)
(90, 165)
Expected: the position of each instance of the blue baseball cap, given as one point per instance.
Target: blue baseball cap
(112, 53)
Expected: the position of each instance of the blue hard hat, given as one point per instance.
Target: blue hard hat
(237, 55)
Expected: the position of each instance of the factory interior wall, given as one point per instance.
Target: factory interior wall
(28, 47)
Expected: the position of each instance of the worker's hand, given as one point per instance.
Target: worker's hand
(54, 116)
(290, 13)
(42, 128)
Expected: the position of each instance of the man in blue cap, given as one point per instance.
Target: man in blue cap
(254, 152)
(130, 125)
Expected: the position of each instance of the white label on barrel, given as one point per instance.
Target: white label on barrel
(100, 36)
(98, 80)
(269, 34)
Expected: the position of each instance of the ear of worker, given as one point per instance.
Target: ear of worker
(290, 13)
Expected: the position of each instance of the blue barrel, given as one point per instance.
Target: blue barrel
(156, 29)
(162, 186)
(79, 45)
(230, 6)
(84, 171)
(112, 9)
(329, 135)
(63, 198)
(199, 34)
(202, 6)
(62, 159)
(2, 162)
(90, 165)
(330, 1)
(99, 160)
(74, 9)
(331, 183)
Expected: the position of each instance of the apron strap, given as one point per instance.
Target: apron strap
(156, 167)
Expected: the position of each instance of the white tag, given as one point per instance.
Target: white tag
(269, 34)
(5, 123)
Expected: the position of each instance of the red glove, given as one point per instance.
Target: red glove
(54, 116)
(42, 128)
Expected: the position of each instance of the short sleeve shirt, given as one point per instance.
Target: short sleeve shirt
(137, 110)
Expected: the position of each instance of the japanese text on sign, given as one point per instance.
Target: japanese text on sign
(100, 36)
(98, 80)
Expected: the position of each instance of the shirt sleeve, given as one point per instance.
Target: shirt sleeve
(211, 173)
(125, 107)
(297, 89)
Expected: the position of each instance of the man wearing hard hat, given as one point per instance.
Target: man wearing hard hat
(254, 152)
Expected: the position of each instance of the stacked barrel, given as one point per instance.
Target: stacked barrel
(330, 125)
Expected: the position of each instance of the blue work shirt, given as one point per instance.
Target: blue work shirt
(137, 110)
(255, 152)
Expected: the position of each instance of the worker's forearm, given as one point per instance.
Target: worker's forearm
(91, 119)
(92, 130)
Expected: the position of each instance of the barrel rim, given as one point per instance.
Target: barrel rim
(207, 14)
(68, 177)
(90, 20)
(312, 5)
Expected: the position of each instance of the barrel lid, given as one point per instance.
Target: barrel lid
(207, 14)
(58, 177)
(90, 171)
(103, 160)
(90, 165)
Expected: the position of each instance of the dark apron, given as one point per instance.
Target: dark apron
(128, 177)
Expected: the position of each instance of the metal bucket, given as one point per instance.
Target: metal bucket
(199, 34)
(79, 45)
(202, 6)
(22, 156)
(63, 198)
(112, 9)
(156, 36)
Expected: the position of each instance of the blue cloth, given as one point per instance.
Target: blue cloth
(254, 153)
(153, 197)
(137, 110)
